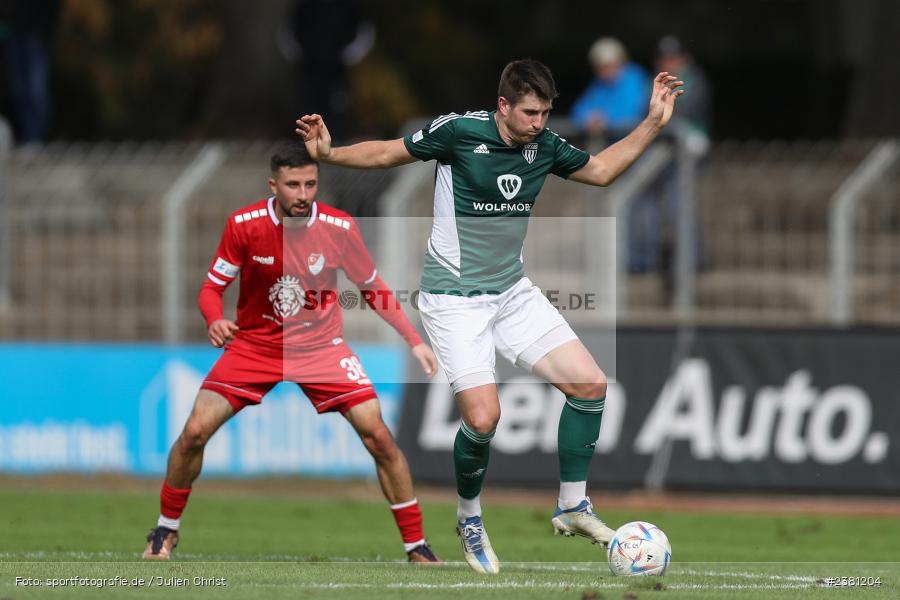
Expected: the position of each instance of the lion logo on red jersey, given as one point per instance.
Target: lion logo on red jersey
(286, 296)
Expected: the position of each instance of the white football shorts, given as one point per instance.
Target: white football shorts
(466, 331)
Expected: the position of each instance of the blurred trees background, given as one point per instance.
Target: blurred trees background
(176, 69)
(134, 68)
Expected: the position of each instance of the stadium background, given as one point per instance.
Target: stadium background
(767, 370)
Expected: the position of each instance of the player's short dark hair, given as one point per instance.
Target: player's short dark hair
(291, 155)
(527, 76)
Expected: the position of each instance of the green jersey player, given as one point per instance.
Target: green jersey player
(475, 298)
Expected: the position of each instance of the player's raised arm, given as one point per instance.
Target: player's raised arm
(605, 167)
(381, 154)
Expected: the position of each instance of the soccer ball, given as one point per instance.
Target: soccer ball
(639, 548)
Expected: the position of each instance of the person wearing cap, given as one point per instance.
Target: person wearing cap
(693, 110)
(653, 216)
(614, 102)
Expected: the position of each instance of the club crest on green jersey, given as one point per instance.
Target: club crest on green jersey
(530, 152)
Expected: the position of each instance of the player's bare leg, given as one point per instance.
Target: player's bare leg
(210, 411)
(480, 410)
(572, 370)
(390, 463)
(394, 477)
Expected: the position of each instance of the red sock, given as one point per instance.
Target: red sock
(172, 500)
(409, 521)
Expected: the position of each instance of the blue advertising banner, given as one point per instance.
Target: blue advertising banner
(119, 408)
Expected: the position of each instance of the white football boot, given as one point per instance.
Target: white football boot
(582, 521)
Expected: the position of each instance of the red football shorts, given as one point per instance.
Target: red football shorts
(331, 377)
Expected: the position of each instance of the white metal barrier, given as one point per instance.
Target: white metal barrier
(841, 221)
(210, 157)
(621, 196)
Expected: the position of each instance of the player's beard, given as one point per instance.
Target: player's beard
(294, 216)
(299, 210)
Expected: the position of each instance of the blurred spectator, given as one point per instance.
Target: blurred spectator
(325, 38)
(29, 33)
(616, 101)
(689, 127)
(5, 29)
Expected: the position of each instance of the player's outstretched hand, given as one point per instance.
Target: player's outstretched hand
(221, 332)
(426, 358)
(662, 98)
(315, 135)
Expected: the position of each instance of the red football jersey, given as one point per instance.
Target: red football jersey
(288, 288)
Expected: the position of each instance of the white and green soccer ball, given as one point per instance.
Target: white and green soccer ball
(639, 548)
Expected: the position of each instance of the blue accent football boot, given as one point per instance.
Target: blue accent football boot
(476, 546)
(582, 521)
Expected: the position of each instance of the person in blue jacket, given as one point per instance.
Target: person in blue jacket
(615, 101)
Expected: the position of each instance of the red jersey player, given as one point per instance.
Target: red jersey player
(289, 328)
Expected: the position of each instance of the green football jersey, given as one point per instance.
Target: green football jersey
(484, 192)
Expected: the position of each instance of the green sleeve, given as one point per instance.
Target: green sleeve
(567, 158)
(434, 141)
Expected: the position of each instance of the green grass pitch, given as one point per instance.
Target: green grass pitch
(286, 547)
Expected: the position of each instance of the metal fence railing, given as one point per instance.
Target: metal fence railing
(875, 266)
(88, 243)
(6, 141)
(84, 242)
(765, 210)
(845, 206)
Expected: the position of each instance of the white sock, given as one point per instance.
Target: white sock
(410, 545)
(571, 493)
(466, 508)
(168, 523)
